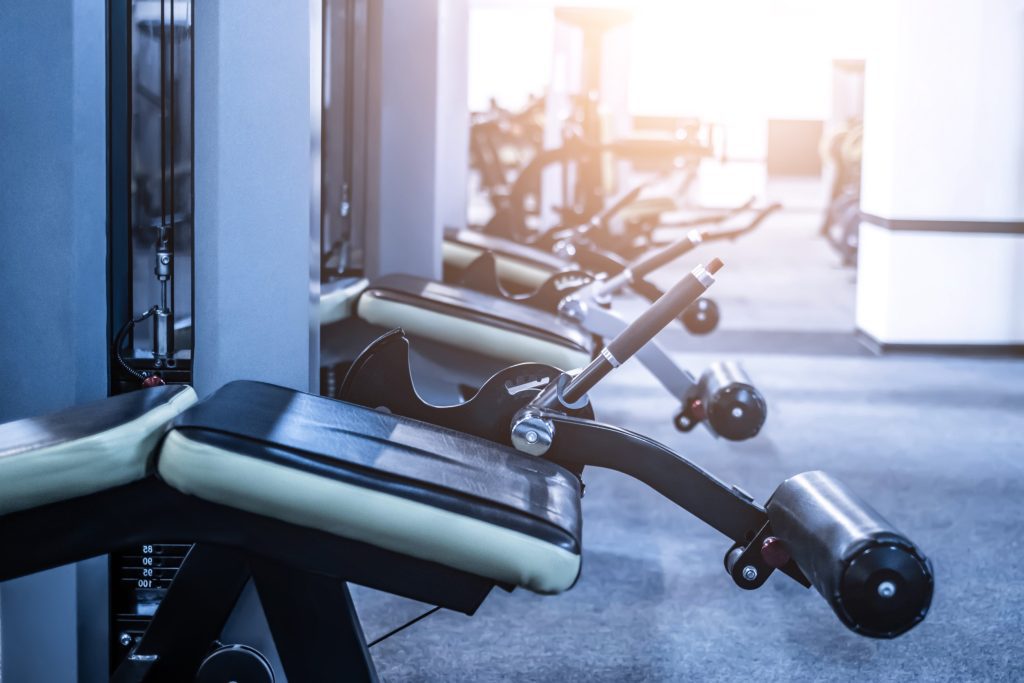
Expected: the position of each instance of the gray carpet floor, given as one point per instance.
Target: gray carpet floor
(935, 443)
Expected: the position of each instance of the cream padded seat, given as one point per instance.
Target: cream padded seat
(477, 322)
(388, 481)
(524, 265)
(85, 449)
(337, 299)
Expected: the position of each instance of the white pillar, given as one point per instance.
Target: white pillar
(452, 175)
(53, 254)
(942, 241)
(256, 157)
(419, 154)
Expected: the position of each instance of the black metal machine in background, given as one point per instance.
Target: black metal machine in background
(587, 191)
(150, 139)
(344, 147)
(841, 156)
(502, 142)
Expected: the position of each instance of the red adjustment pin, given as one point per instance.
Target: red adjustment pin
(774, 552)
(152, 381)
(697, 410)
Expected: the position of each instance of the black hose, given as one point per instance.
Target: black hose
(119, 340)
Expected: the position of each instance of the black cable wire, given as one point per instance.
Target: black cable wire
(119, 340)
(404, 626)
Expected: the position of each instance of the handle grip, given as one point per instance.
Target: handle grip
(663, 311)
(652, 321)
(875, 579)
(654, 260)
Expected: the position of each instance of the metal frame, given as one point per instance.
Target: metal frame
(509, 220)
(381, 378)
(300, 575)
(119, 113)
(120, 228)
(346, 111)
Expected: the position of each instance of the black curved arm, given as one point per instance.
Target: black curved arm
(725, 508)
(728, 509)
(549, 237)
(711, 235)
(710, 218)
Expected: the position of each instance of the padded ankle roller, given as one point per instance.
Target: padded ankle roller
(875, 579)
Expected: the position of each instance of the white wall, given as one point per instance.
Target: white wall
(453, 114)
(735, 62)
(510, 48)
(944, 104)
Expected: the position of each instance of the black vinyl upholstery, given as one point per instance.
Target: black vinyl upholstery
(80, 421)
(274, 457)
(396, 455)
(86, 448)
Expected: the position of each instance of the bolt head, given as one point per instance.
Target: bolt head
(125, 639)
(886, 589)
(532, 435)
(750, 573)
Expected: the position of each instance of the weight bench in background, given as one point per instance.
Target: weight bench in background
(474, 321)
(449, 314)
(462, 336)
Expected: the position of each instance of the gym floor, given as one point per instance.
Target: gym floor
(936, 443)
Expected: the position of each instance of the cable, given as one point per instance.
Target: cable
(405, 626)
(119, 340)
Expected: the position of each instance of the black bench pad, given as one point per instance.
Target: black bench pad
(403, 485)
